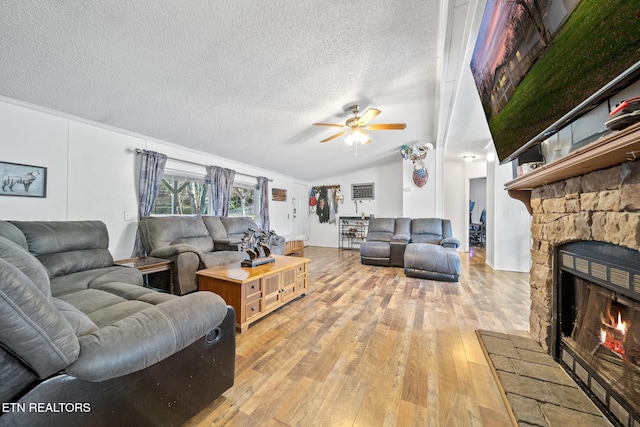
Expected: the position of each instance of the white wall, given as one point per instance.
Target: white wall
(508, 222)
(456, 196)
(29, 137)
(387, 203)
(92, 171)
(420, 202)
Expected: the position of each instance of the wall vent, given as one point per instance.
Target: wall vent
(363, 191)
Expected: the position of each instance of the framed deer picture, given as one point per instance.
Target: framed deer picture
(22, 180)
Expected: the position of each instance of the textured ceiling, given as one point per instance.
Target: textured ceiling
(243, 80)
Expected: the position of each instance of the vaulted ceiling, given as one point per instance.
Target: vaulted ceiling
(245, 80)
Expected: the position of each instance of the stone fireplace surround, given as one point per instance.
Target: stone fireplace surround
(591, 194)
(603, 205)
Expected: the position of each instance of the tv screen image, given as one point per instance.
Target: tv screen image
(536, 61)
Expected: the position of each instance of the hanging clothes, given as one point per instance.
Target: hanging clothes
(322, 209)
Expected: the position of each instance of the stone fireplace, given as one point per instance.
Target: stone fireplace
(602, 206)
(591, 196)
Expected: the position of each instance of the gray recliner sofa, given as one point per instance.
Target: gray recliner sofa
(83, 343)
(425, 247)
(387, 238)
(197, 242)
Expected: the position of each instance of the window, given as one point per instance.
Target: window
(244, 200)
(182, 195)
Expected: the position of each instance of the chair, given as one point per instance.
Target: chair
(477, 231)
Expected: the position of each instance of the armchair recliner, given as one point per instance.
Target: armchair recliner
(385, 241)
(84, 337)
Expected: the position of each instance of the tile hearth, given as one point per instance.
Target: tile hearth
(537, 390)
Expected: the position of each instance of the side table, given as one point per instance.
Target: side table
(149, 265)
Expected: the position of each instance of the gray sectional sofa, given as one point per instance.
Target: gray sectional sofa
(197, 242)
(423, 246)
(83, 343)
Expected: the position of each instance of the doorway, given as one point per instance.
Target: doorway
(477, 212)
(300, 209)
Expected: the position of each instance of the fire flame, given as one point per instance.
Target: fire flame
(608, 336)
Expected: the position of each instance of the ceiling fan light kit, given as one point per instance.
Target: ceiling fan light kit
(357, 125)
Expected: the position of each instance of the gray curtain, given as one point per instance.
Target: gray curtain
(221, 188)
(263, 212)
(151, 173)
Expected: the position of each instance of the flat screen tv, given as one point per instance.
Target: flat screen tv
(538, 65)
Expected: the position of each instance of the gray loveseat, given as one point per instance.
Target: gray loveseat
(197, 242)
(423, 246)
(83, 343)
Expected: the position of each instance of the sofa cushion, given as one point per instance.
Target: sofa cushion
(13, 233)
(31, 326)
(403, 226)
(91, 300)
(375, 250)
(381, 229)
(236, 226)
(84, 279)
(433, 262)
(427, 230)
(147, 336)
(159, 232)
(27, 263)
(203, 244)
(79, 321)
(216, 228)
(65, 247)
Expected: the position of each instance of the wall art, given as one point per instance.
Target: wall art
(23, 180)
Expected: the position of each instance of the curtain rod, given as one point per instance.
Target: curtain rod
(139, 151)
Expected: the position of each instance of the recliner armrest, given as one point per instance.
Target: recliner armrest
(450, 242)
(400, 238)
(173, 251)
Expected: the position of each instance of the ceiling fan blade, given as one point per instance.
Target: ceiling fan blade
(334, 136)
(386, 126)
(329, 124)
(369, 115)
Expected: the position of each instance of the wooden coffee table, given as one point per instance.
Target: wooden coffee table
(255, 292)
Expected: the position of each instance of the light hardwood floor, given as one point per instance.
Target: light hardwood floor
(368, 346)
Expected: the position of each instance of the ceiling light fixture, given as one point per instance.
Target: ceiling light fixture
(468, 158)
(357, 137)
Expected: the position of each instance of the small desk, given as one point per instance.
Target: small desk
(255, 292)
(149, 265)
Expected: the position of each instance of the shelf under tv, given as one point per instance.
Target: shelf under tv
(610, 150)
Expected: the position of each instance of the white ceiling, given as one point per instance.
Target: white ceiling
(245, 79)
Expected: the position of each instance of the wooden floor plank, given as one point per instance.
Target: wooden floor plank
(368, 346)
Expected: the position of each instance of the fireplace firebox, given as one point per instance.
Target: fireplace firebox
(596, 324)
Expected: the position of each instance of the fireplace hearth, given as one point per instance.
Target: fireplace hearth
(597, 324)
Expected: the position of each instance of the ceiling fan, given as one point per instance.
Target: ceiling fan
(356, 126)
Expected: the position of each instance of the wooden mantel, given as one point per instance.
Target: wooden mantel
(610, 150)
